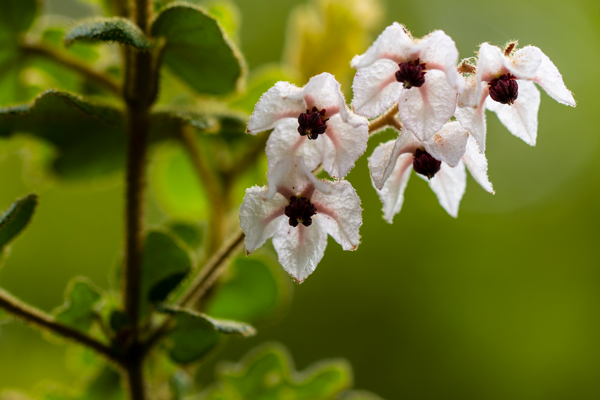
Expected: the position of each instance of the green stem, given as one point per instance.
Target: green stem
(139, 92)
(45, 321)
(214, 190)
(386, 119)
(72, 63)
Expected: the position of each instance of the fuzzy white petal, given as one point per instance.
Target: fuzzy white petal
(285, 141)
(291, 177)
(344, 143)
(340, 214)
(520, 118)
(275, 105)
(449, 186)
(438, 51)
(393, 44)
(321, 91)
(477, 165)
(490, 63)
(383, 160)
(426, 109)
(548, 77)
(300, 249)
(375, 88)
(392, 193)
(524, 62)
(470, 110)
(449, 144)
(259, 218)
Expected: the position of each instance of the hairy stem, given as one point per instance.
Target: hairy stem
(201, 283)
(386, 119)
(74, 64)
(45, 321)
(214, 190)
(139, 92)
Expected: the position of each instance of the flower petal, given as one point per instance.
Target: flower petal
(426, 109)
(394, 44)
(438, 51)
(525, 62)
(449, 144)
(260, 218)
(300, 249)
(285, 141)
(470, 111)
(521, 118)
(548, 77)
(392, 193)
(449, 186)
(383, 160)
(490, 63)
(340, 214)
(477, 165)
(321, 91)
(375, 88)
(291, 177)
(344, 143)
(274, 105)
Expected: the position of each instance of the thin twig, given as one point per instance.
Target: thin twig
(386, 119)
(74, 64)
(201, 283)
(214, 190)
(40, 319)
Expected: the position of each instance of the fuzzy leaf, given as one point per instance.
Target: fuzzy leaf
(191, 234)
(268, 373)
(195, 334)
(164, 267)
(197, 49)
(114, 29)
(16, 218)
(78, 309)
(254, 290)
(90, 138)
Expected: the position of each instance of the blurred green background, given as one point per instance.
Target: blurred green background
(503, 302)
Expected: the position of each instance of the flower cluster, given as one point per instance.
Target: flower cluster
(441, 108)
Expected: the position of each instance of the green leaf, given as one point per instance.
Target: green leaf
(106, 385)
(268, 373)
(114, 29)
(16, 218)
(16, 17)
(195, 334)
(90, 138)
(191, 234)
(78, 310)
(118, 320)
(253, 290)
(197, 49)
(165, 265)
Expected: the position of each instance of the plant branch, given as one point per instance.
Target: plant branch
(74, 64)
(40, 319)
(199, 286)
(386, 119)
(214, 190)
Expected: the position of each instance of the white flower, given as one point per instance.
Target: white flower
(419, 75)
(313, 122)
(442, 160)
(298, 211)
(504, 83)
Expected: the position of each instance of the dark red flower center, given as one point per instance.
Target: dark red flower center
(312, 124)
(300, 210)
(425, 164)
(411, 73)
(504, 89)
